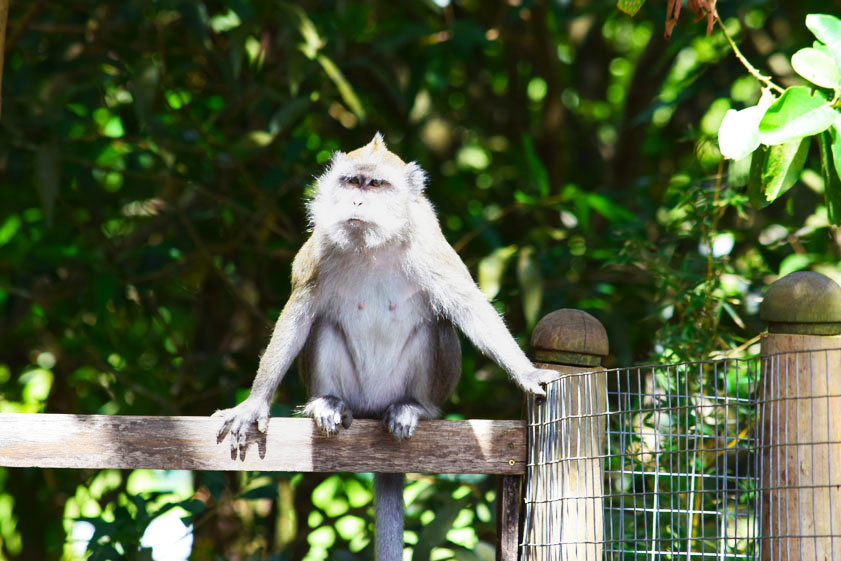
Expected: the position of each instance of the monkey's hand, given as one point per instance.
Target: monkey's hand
(535, 380)
(329, 413)
(238, 420)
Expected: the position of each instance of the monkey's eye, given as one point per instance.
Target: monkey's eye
(354, 180)
(376, 182)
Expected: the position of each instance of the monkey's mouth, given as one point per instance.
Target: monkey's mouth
(356, 222)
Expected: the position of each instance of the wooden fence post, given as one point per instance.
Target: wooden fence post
(567, 441)
(799, 434)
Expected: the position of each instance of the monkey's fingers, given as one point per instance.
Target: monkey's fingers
(263, 423)
(225, 428)
(241, 440)
(533, 387)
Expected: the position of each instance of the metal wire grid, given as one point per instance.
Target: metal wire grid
(647, 463)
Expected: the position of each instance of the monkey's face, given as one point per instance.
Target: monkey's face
(364, 198)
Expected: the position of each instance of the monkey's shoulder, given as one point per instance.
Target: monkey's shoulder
(305, 265)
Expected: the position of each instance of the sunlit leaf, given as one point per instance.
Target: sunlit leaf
(254, 140)
(435, 532)
(9, 228)
(794, 262)
(491, 269)
(736, 137)
(531, 285)
(797, 113)
(344, 87)
(312, 40)
(817, 67)
(738, 134)
(828, 29)
(782, 167)
(630, 7)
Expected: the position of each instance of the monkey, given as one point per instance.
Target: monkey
(377, 294)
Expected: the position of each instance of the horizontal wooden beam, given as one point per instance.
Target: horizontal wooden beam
(292, 444)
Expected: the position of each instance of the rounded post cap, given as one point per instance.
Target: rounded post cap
(798, 301)
(569, 336)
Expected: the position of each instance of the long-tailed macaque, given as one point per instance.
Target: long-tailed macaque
(377, 293)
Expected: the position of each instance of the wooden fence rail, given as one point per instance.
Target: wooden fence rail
(292, 444)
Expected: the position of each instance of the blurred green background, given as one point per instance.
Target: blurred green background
(154, 157)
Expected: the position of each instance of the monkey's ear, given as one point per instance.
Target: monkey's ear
(417, 177)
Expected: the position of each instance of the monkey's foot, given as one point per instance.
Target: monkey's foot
(238, 420)
(401, 419)
(329, 413)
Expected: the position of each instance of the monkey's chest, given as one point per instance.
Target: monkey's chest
(378, 312)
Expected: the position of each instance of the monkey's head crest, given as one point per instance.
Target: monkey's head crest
(364, 197)
(376, 149)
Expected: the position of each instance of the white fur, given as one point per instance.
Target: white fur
(384, 211)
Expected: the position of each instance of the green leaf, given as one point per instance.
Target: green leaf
(738, 134)
(796, 114)
(538, 170)
(9, 228)
(828, 29)
(817, 67)
(757, 164)
(344, 87)
(630, 7)
(491, 269)
(830, 171)
(835, 137)
(782, 167)
(312, 40)
(531, 284)
(794, 262)
(434, 533)
(263, 492)
(738, 172)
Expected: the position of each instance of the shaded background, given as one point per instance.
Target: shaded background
(154, 157)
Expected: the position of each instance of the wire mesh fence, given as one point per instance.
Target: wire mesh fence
(727, 459)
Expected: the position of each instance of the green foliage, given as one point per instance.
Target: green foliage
(787, 124)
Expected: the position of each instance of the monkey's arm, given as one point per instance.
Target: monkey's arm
(290, 333)
(454, 295)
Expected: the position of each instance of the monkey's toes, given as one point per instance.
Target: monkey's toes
(330, 414)
(401, 420)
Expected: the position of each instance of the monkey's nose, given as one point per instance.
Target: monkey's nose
(357, 203)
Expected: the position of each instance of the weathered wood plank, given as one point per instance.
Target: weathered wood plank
(292, 444)
(508, 500)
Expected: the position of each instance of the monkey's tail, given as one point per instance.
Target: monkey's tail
(388, 508)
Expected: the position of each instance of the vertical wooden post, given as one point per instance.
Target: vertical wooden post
(508, 499)
(800, 420)
(566, 441)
